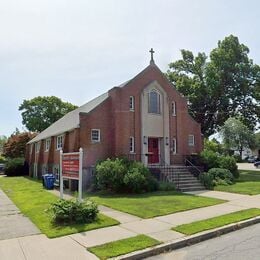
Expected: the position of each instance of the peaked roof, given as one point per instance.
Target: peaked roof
(70, 120)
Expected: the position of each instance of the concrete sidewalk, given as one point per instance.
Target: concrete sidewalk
(75, 246)
(13, 223)
(160, 227)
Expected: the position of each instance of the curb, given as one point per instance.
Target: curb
(187, 241)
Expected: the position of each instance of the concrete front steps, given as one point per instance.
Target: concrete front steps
(182, 178)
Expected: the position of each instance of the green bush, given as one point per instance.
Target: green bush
(110, 174)
(14, 167)
(219, 175)
(216, 176)
(229, 163)
(71, 211)
(122, 175)
(210, 159)
(134, 180)
(207, 180)
(166, 186)
(238, 158)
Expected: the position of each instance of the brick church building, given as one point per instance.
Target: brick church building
(145, 119)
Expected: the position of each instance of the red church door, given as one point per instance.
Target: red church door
(153, 150)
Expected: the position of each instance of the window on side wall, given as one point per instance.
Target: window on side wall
(37, 147)
(59, 142)
(173, 108)
(191, 140)
(174, 146)
(132, 103)
(47, 144)
(131, 144)
(154, 102)
(95, 135)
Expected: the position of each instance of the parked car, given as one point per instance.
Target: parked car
(252, 159)
(257, 163)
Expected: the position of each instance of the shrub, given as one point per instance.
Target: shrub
(110, 174)
(238, 158)
(134, 180)
(151, 183)
(210, 159)
(71, 211)
(216, 176)
(219, 175)
(14, 167)
(207, 180)
(122, 175)
(229, 163)
(166, 186)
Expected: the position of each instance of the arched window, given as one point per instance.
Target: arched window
(154, 102)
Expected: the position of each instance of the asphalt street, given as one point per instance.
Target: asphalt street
(238, 245)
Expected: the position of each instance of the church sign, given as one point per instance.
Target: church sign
(71, 168)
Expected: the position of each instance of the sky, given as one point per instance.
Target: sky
(77, 50)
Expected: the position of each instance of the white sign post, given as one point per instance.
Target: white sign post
(80, 173)
(61, 178)
(71, 168)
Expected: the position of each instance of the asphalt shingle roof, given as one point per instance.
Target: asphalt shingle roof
(70, 120)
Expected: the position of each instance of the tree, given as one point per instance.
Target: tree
(224, 85)
(236, 135)
(40, 112)
(16, 144)
(213, 145)
(3, 140)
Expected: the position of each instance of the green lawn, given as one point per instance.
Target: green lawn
(152, 204)
(123, 246)
(33, 200)
(248, 183)
(216, 222)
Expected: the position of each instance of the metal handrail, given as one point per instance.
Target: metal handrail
(192, 165)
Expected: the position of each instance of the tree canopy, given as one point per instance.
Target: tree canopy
(40, 112)
(223, 85)
(15, 145)
(236, 135)
(3, 140)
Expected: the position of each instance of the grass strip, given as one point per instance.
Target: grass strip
(211, 223)
(33, 201)
(123, 246)
(152, 204)
(247, 183)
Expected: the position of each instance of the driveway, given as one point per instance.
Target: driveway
(247, 166)
(13, 223)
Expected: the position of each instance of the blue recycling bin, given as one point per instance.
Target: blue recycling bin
(50, 182)
(45, 179)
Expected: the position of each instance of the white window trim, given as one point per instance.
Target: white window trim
(174, 146)
(158, 100)
(132, 144)
(192, 139)
(57, 137)
(37, 147)
(31, 148)
(47, 148)
(173, 108)
(132, 103)
(99, 137)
